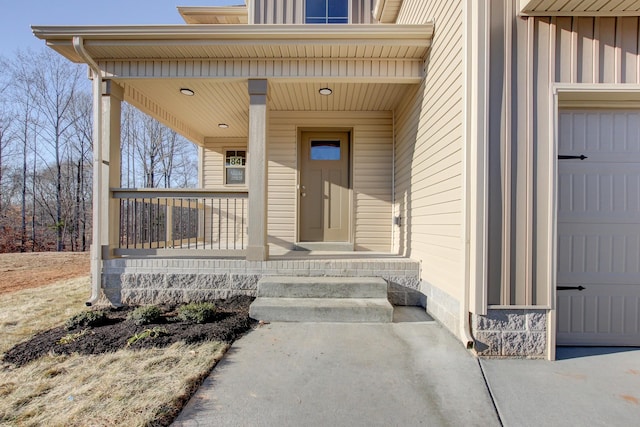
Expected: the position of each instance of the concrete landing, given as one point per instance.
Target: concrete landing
(322, 299)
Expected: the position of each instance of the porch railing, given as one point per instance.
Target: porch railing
(178, 221)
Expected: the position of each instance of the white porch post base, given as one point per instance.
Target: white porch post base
(257, 253)
(257, 248)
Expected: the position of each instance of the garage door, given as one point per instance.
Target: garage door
(598, 298)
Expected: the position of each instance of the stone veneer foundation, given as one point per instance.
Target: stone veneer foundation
(128, 281)
(511, 333)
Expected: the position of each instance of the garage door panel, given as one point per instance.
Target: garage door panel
(607, 315)
(590, 193)
(598, 227)
(600, 131)
(584, 252)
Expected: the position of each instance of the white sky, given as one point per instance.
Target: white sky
(17, 16)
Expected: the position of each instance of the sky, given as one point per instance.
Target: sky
(18, 15)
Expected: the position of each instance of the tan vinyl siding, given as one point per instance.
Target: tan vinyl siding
(283, 178)
(292, 11)
(372, 152)
(229, 217)
(429, 136)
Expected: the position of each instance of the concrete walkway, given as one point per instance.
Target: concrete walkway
(408, 373)
(344, 374)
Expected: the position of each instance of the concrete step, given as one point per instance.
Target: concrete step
(322, 287)
(353, 310)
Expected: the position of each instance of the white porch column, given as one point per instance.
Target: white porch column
(257, 247)
(111, 129)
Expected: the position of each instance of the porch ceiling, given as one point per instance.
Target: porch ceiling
(580, 7)
(223, 101)
(368, 66)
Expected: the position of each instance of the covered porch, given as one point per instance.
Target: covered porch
(247, 96)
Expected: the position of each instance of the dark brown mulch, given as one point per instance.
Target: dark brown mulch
(231, 321)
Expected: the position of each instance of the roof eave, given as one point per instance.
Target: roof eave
(60, 37)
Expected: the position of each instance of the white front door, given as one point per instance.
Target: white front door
(598, 282)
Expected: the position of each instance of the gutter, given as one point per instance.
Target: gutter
(96, 245)
(417, 34)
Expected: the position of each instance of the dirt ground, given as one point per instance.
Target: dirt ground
(31, 270)
(230, 321)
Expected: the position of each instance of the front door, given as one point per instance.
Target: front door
(324, 187)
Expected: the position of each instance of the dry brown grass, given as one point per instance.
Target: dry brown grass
(132, 388)
(25, 312)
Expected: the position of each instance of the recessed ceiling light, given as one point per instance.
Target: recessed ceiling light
(187, 91)
(325, 91)
(223, 125)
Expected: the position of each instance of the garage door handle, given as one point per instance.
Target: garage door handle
(563, 157)
(571, 288)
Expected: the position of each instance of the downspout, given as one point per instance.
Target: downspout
(465, 313)
(393, 181)
(96, 250)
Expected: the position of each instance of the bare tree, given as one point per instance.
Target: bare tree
(56, 83)
(82, 128)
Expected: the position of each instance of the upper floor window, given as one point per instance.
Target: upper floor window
(327, 12)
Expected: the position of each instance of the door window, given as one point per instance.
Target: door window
(325, 150)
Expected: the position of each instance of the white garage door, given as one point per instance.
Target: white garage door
(599, 228)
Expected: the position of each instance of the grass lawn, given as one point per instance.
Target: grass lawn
(127, 387)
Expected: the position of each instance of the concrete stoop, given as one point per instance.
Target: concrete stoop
(322, 299)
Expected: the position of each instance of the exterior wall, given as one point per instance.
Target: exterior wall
(372, 166)
(154, 281)
(529, 55)
(429, 161)
(230, 220)
(372, 150)
(540, 51)
(292, 11)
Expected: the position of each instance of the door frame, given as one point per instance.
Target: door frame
(351, 205)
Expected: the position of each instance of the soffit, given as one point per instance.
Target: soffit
(214, 15)
(580, 7)
(184, 42)
(386, 11)
(223, 101)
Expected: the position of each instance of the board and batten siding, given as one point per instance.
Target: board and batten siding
(372, 151)
(292, 11)
(429, 154)
(545, 50)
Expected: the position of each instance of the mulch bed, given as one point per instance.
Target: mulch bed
(230, 321)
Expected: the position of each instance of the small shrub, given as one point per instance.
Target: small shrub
(147, 334)
(145, 315)
(196, 312)
(85, 319)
